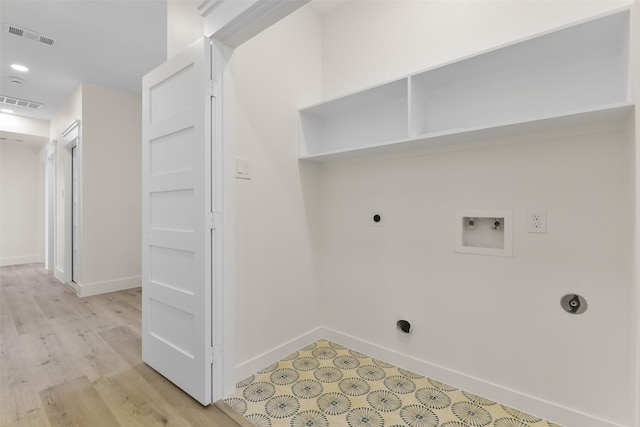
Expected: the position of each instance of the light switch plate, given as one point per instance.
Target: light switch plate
(243, 168)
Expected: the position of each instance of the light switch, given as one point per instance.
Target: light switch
(243, 168)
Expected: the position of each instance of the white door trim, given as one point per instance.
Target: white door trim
(233, 22)
(50, 207)
(71, 137)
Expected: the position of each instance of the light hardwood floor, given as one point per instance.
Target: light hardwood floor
(66, 361)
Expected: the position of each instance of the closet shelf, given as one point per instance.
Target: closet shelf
(569, 77)
(477, 135)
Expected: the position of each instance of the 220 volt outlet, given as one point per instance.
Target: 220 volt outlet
(537, 221)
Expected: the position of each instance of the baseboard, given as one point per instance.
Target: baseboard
(534, 405)
(90, 289)
(251, 366)
(18, 260)
(58, 273)
(530, 404)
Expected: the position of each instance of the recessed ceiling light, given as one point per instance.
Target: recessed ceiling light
(19, 67)
(6, 110)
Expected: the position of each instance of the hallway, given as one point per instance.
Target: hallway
(66, 361)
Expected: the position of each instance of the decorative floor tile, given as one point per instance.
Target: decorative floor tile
(326, 384)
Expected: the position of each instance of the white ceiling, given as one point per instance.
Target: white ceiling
(111, 43)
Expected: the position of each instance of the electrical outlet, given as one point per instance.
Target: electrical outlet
(537, 221)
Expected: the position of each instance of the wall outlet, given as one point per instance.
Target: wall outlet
(537, 221)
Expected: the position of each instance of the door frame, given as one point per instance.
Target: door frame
(228, 24)
(71, 138)
(50, 207)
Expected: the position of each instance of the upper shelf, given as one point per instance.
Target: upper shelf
(572, 75)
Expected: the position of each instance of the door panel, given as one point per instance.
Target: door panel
(177, 283)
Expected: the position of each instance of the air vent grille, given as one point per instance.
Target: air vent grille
(30, 35)
(19, 102)
(15, 30)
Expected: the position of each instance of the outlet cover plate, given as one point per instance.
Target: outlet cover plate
(537, 221)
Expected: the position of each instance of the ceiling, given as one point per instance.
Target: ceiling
(110, 43)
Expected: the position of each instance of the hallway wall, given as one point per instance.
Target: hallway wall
(21, 206)
(111, 133)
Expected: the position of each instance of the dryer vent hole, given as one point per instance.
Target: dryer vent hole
(404, 326)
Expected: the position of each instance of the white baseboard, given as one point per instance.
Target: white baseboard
(90, 289)
(553, 412)
(18, 260)
(58, 273)
(251, 366)
(548, 410)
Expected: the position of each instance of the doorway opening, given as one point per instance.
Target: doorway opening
(73, 203)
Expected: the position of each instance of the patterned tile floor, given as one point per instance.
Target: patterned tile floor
(326, 384)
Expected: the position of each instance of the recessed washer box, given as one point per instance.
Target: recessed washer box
(484, 232)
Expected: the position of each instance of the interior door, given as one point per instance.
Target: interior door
(177, 221)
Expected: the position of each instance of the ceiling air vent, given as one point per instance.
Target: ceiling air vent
(8, 100)
(30, 35)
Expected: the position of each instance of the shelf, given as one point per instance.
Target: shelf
(375, 115)
(477, 135)
(574, 75)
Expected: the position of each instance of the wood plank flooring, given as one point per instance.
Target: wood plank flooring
(66, 361)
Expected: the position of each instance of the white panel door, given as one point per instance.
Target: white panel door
(176, 223)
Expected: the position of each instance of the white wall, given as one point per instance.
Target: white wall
(68, 112)
(34, 130)
(111, 188)
(24, 125)
(489, 324)
(20, 204)
(275, 73)
(368, 42)
(492, 324)
(184, 25)
(492, 318)
(110, 235)
(635, 331)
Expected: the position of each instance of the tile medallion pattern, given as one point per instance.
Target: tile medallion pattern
(326, 384)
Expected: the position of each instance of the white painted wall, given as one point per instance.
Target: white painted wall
(277, 288)
(68, 112)
(24, 125)
(21, 208)
(14, 225)
(489, 324)
(492, 318)
(111, 157)
(635, 331)
(496, 320)
(367, 42)
(111, 188)
(184, 24)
